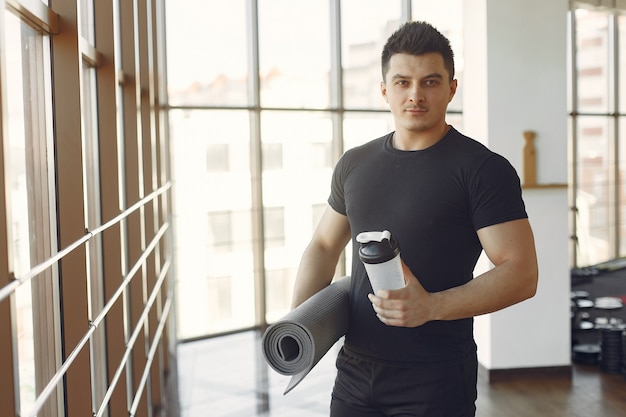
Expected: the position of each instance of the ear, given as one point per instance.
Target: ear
(453, 86)
(383, 90)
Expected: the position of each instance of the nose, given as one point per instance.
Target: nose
(416, 95)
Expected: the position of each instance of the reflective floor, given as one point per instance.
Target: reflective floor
(227, 377)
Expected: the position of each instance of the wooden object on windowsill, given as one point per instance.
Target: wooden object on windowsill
(530, 164)
(530, 159)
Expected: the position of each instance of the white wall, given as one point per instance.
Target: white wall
(536, 333)
(516, 80)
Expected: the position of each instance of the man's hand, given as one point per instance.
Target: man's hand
(410, 306)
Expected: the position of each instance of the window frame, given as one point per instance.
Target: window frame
(611, 117)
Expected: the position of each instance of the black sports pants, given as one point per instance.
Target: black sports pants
(365, 389)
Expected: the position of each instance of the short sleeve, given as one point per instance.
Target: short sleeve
(496, 194)
(337, 198)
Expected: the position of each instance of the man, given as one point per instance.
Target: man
(444, 197)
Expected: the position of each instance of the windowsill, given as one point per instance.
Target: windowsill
(534, 186)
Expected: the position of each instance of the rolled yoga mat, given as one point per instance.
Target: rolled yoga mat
(296, 343)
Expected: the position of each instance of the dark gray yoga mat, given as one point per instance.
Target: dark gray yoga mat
(296, 343)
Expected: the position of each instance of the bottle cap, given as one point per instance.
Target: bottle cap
(377, 247)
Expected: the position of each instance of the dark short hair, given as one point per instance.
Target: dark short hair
(418, 38)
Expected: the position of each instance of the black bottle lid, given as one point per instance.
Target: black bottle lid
(377, 247)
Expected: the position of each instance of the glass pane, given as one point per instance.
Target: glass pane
(621, 27)
(294, 53)
(87, 21)
(29, 174)
(293, 189)
(592, 60)
(92, 202)
(19, 210)
(365, 26)
(455, 120)
(90, 148)
(621, 165)
(447, 17)
(593, 191)
(212, 221)
(359, 128)
(206, 52)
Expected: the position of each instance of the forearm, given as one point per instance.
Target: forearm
(506, 284)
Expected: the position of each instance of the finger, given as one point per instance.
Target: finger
(377, 303)
(381, 303)
(377, 306)
(386, 313)
(382, 294)
(389, 319)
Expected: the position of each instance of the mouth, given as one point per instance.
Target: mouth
(416, 110)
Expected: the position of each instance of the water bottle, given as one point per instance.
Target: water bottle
(380, 255)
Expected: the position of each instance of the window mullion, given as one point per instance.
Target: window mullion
(613, 203)
(256, 166)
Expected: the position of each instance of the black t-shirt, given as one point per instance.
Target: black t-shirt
(432, 201)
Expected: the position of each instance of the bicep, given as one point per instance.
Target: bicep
(509, 241)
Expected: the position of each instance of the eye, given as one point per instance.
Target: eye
(431, 83)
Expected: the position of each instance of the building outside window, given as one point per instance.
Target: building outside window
(597, 128)
(284, 132)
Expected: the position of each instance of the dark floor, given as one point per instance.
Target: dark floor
(228, 377)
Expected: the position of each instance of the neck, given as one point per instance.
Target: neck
(417, 141)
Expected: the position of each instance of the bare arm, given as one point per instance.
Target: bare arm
(319, 259)
(510, 247)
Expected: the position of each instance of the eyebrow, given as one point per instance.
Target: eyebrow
(432, 75)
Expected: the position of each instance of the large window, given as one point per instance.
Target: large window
(598, 137)
(31, 215)
(272, 94)
(85, 249)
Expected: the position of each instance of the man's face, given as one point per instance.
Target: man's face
(418, 90)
